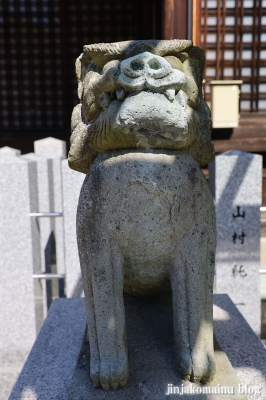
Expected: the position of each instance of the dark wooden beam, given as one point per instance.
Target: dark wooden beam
(181, 19)
(175, 19)
(248, 136)
(196, 22)
(252, 145)
(168, 19)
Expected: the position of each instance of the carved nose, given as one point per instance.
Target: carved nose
(145, 64)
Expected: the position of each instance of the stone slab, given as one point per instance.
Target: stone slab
(72, 182)
(19, 255)
(236, 182)
(55, 151)
(48, 371)
(153, 372)
(242, 346)
(58, 207)
(46, 227)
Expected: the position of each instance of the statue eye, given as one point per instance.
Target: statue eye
(175, 62)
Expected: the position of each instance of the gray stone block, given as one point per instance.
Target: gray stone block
(55, 149)
(59, 221)
(236, 183)
(50, 147)
(48, 371)
(9, 151)
(47, 229)
(72, 182)
(242, 346)
(153, 362)
(19, 236)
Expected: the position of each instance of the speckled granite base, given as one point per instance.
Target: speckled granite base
(49, 369)
(152, 363)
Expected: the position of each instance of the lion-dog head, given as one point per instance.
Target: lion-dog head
(144, 94)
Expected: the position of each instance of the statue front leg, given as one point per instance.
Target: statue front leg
(102, 273)
(192, 286)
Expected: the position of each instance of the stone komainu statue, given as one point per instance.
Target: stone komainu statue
(145, 220)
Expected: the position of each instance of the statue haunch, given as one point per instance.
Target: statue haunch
(145, 220)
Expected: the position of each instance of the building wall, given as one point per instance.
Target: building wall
(40, 41)
(233, 33)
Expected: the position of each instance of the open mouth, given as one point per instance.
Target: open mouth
(121, 94)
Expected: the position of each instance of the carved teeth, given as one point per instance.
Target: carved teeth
(120, 94)
(170, 94)
(104, 100)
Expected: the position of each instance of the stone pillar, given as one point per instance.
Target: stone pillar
(55, 150)
(47, 230)
(236, 182)
(72, 182)
(19, 258)
(58, 207)
(50, 147)
(9, 151)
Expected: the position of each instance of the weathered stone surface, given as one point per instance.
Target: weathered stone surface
(242, 346)
(48, 370)
(153, 99)
(148, 216)
(236, 183)
(19, 256)
(152, 362)
(51, 363)
(72, 182)
(9, 151)
(145, 218)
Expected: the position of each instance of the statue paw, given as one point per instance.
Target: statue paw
(110, 374)
(201, 367)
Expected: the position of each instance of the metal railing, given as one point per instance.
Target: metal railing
(46, 214)
(47, 276)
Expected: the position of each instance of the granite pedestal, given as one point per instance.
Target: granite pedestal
(48, 372)
(72, 182)
(19, 256)
(235, 179)
(54, 150)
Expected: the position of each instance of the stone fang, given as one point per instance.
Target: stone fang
(120, 94)
(170, 94)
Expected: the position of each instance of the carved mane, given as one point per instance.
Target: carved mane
(94, 58)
